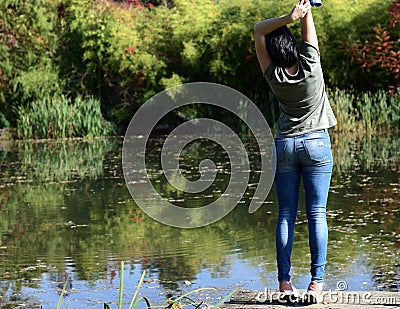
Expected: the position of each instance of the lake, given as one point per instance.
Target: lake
(67, 216)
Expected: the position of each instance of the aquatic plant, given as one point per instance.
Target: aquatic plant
(60, 117)
(366, 112)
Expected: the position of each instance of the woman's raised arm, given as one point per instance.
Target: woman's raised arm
(308, 32)
(267, 26)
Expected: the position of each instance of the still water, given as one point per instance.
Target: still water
(66, 216)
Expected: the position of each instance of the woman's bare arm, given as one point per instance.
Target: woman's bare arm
(267, 26)
(260, 30)
(308, 32)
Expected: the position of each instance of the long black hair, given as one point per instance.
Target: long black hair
(281, 47)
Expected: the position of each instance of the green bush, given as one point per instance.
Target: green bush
(112, 51)
(36, 83)
(343, 105)
(4, 123)
(28, 46)
(124, 52)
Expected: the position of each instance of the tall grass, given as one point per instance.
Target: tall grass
(60, 117)
(343, 107)
(365, 113)
(375, 111)
(395, 109)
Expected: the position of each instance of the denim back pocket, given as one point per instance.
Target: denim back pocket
(280, 146)
(317, 149)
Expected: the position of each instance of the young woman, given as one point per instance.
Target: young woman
(302, 142)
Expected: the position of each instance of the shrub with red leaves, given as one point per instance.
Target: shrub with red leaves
(379, 56)
(394, 12)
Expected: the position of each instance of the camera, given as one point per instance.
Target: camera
(316, 2)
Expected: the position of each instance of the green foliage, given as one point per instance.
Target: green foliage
(341, 21)
(172, 303)
(124, 52)
(395, 109)
(62, 295)
(61, 118)
(375, 111)
(111, 52)
(35, 84)
(214, 42)
(343, 105)
(365, 112)
(4, 123)
(28, 43)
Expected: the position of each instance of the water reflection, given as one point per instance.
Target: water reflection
(358, 152)
(66, 213)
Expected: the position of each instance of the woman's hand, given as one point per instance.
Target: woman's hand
(300, 10)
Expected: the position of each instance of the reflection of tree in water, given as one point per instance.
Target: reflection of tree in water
(381, 206)
(171, 270)
(387, 279)
(365, 173)
(352, 152)
(58, 161)
(91, 219)
(10, 296)
(61, 279)
(33, 192)
(371, 221)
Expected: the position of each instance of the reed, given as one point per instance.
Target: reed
(60, 117)
(356, 113)
(62, 295)
(374, 111)
(342, 102)
(395, 109)
(364, 113)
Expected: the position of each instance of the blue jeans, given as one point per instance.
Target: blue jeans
(309, 157)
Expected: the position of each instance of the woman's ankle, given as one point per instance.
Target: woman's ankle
(286, 286)
(314, 292)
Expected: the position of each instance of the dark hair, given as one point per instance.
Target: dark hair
(281, 47)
